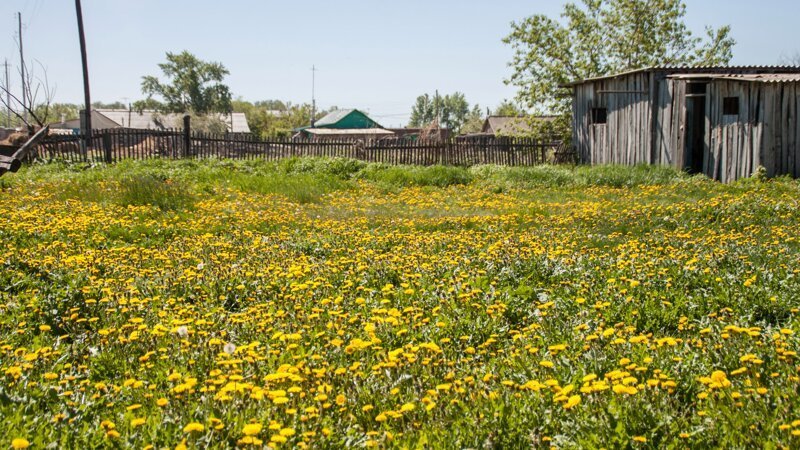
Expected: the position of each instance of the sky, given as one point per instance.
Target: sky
(377, 56)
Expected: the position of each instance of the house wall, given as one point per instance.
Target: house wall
(626, 137)
(780, 128)
(765, 133)
(650, 126)
(669, 121)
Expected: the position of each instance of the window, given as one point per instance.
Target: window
(696, 88)
(730, 106)
(599, 115)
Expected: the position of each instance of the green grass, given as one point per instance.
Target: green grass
(348, 304)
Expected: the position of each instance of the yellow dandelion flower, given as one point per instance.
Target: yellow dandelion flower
(19, 443)
(193, 426)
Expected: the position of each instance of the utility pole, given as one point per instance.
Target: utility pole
(8, 97)
(87, 100)
(436, 103)
(22, 67)
(313, 98)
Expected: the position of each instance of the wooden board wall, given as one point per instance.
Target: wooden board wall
(626, 138)
(646, 118)
(765, 132)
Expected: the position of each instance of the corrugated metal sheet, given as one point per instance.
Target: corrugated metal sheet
(754, 77)
(152, 120)
(695, 70)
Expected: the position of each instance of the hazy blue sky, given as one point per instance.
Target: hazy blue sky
(374, 55)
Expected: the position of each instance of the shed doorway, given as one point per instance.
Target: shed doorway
(695, 139)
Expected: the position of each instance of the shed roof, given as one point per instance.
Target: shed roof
(691, 70)
(148, 119)
(752, 77)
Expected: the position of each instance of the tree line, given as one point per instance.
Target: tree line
(589, 38)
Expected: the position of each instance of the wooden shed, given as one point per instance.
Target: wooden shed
(720, 121)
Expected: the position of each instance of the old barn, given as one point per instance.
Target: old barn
(720, 121)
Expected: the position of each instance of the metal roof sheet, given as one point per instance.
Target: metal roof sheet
(698, 69)
(753, 77)
(147, 119)
(333, 117)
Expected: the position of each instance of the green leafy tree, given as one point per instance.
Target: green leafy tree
(599, 37)
(192, 86)
(112, 105)
(271, 118)
(508, 108)
(453, 111)
(57, 111)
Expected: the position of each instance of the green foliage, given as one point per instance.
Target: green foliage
(193, 85)
(508, 108)
(136, 189)
(453, 111)
(112, 105)
(599, 37)
(502, 177)
(403, 176)
(271, 118)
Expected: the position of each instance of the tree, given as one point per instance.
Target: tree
(112, 105)
(271, 118)
(599, 37)
(33, 109)
(508, 108)
(793, 60)
(453, 111)
(193, 86)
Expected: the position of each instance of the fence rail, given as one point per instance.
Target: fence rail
(124, 143)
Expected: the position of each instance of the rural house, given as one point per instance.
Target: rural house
(720, 121)
(147, 120)
(345, 124)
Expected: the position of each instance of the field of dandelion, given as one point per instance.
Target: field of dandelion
(330, 303)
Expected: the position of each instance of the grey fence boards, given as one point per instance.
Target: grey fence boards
(125, 143)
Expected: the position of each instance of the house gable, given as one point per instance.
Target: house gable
(346, 119)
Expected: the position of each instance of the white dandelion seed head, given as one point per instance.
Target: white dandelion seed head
(229, 348)
(183, 331)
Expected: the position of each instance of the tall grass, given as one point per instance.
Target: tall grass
(554, 176)
(403, 176)
(136, 190)
(169, 184)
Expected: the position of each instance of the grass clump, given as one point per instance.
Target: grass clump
(559, 176)
(404, 176)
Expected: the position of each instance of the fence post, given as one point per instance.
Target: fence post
(107, 146)
(187, 136)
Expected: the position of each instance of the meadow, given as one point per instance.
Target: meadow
(329, 303)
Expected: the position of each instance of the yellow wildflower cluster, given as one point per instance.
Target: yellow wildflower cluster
(464, 316)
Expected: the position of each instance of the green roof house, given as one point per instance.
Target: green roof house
(345, 124)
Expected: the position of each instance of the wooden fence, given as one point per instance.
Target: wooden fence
(121, 143)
